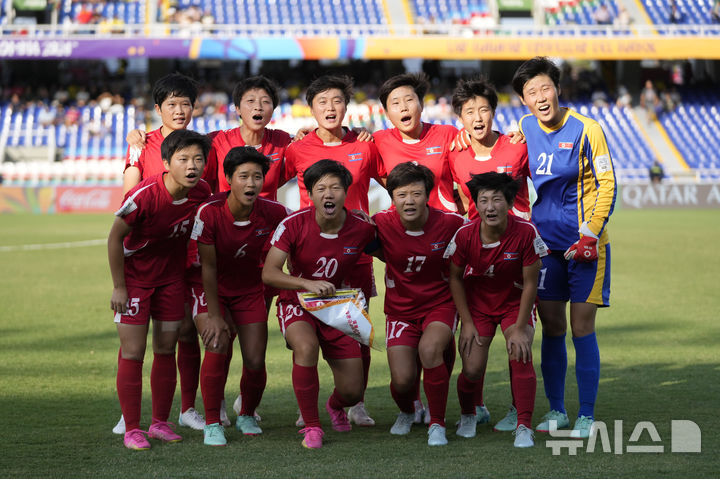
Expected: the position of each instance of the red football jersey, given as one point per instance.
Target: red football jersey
(493, 272)
(415, 270)
(273, 146)
(430, 150)
(319, 256)
(360, 157)
(156, 248)
(149, 159)
(240, 246)
(504, 158)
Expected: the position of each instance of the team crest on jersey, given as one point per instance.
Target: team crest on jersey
(434, 150)
(350, 250)
(262, 231)
(510, 256)
(565, 145)
(440, 245)
(274, 157)
(355, 157)
(508, 169)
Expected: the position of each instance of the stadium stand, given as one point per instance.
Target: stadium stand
(449, 11)
(692, 12)
(579, 12)
(122, 11)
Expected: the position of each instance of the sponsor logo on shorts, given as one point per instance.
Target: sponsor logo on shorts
(510, 255)
(565, 145)
(434, 150)
(437, 246)
(355, 157)
(350, 250)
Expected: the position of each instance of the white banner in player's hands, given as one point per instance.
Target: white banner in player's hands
(344, 311)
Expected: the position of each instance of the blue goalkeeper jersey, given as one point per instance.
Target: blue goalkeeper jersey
(574, 178)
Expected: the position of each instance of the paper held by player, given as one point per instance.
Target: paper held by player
(344, 311)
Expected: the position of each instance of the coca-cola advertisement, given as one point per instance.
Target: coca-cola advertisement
(88, 199)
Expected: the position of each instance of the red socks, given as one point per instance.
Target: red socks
(163, 379)
(436, 383)
(212, 382)
(523, 388)
(307, 387)
(188, 364)
(129, 388)
(467, 391)
(252, 386)
(365, 355)
(336, 401)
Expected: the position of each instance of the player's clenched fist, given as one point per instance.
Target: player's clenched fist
(583, 250)
(321, 288)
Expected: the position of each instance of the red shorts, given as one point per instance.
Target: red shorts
(407, 332)
(362, 277)
(162, 303)
(486, 324)
(244, 309)
(334, 344)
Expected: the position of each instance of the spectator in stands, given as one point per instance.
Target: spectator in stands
(624, 99)
(676, 16)
(669, 100)
(656, 172)
(47, 116)
(602, 15)
(650, 101)
(623, 18)
(715, 11)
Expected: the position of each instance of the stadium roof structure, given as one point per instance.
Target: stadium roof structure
(311, 42)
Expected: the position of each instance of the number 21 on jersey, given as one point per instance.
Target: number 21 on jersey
(545, 166)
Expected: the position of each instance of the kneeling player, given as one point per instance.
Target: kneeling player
(421, 316)
(493, 279)
(147, 246)
(232, 230)
(322, 245)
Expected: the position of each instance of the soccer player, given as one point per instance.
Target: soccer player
(493, 279)
(255, 99)
(474, 102)
(322, 245)
(233, 230)
(147, 248)
(412, 139)
(328, 97)
(421, 316)
(574, 178)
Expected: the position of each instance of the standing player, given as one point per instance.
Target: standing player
(147, 247)
(474, 102)
(328, 97)
(174, 97)
(493, 279)
(232, 230)
(322, 245)
(412, 139)
(574, 178)
(421, 316)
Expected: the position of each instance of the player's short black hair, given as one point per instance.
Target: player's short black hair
(417, 81)
(174, 84)
(181, 139)
(532, 68)
(493, 181)
(323, 168)
(343, 83)
(256, 82)
(244, 154)
(466, 90)
(409, 172)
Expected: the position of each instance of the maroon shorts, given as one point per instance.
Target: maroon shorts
(486, 324)
(334, 344)
(162, 303)
(407, 332)
(244, 309)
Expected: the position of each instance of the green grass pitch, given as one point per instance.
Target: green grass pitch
(659, 344)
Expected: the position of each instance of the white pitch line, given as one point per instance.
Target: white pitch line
(68, 244)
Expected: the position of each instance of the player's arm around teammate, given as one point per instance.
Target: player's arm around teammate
(322, 242)
(421, 316)
(232, 229)
(493, 279)
(147, 246)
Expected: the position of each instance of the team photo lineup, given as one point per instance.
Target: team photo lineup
(484, 229)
